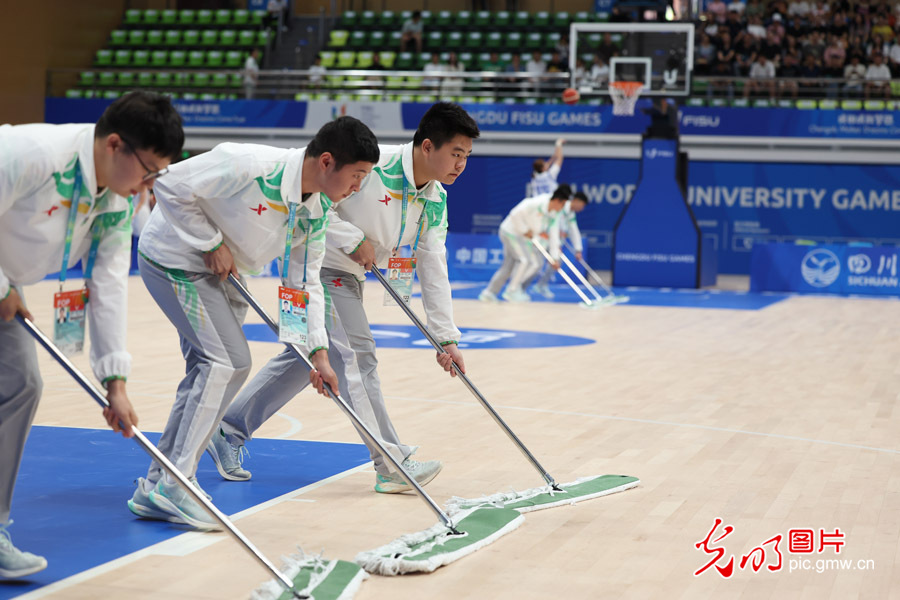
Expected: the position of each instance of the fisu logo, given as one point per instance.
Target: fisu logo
(820, 268)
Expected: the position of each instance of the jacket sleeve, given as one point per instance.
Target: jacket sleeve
(431, 267)
(107, 306)
(574, 233)
(343, 235)
(317, 338)
(215, 174)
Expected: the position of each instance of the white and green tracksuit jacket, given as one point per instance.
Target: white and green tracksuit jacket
(374, 213)
(37, 175)
(239, 194)
(568, 224)
(532, 216)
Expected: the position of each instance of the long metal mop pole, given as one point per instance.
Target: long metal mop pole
(159, 457)
(591, 272)
(468, 383)
(578, 274)
(564, 275)
(345, 407)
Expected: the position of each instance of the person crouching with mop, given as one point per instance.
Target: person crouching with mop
(526, 224)
(231, 210)
(63, 198)
(568, 228)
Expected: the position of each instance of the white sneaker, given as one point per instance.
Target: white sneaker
(171, 499)
(141, 505)
(516, 296)
(228, 457)
(543, 290)
(422, 472)
(15, 563)
(487, 295)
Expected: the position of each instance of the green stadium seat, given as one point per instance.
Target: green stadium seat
(74, 93)
(395, 38)
(173, 37)
(162, 79)
(376, 39)
(196, 58)
(443, 18)
(522, 18)
(168, 17)
(851, 104)
(177, 58)
(494, 39)
(145, 79)
(825, 104)
(125, 79)
(103, 58)
(181, 79)
(358, 39)
(338, 38)
(132, 17)
(427, 17)
(874, 105)
(513, 40)
(534, 40)
(209, 37)
(328, 58)
(189, 96)
(235, 80)
(222, 17)
(87, 78)
(118, 37)
(394, 82)
(552, 39)
(219, 80)
(334, 81)
(346, 59)
(541, 19)
(187, 17)
(434, 39)
(154, 37)
(367, 18)
(240, 18)
(207, 96)
(388, 19)
(106, 78)
(122, 58)
(349, 19)
(404, 62)
(256, 18)
(150, 17)
(111, 94)
(421, 60)
(740, 102)
(454, 39)
(234, 59)
(592, 39)
(200, 79)
(302, 97)
(140, 58)
(561, 20)
(463, 18)
(474, 39)
(413, 83)
(483, 19)
(582, 16)
(426, 98)
(227, 38)
(364, 59)
(387, 58)
(204, 17)
(215, 58)
(159, 58)
(137, 37)
(246, 37)
(190, 37)
(262, 38)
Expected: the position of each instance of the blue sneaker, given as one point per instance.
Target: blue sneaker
(15, 563)
(422, 472)
(173, 500)
(228, 457)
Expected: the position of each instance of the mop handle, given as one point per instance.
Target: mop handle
(590, 271)
(563, 274)
(344, 406)
(158, 456)
(462, 376)
(578, 274)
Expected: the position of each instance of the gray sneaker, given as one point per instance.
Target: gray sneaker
(422, 472)
(228, 458)
(15, 563)
(141, 505)
(171, 499)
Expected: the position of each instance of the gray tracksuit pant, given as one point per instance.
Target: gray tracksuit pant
(351, 353)
(208, 314)
(519, 263)
(20, 391)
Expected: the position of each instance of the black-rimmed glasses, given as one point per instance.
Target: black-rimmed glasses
(151, 174)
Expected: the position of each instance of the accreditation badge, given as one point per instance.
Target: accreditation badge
(293, 326)
(69, 316)
(401, 272)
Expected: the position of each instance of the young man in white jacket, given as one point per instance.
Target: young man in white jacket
(528, 221)
(229, 211)
(44, 171)
(568, 227)
(402, 203)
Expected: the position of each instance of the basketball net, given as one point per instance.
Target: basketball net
(624, 95)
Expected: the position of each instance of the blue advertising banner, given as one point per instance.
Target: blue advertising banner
(473, 256)
(825, 269)
(195, 113)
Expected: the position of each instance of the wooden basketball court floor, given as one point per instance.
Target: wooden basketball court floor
(772, 420)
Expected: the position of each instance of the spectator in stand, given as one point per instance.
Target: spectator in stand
(316, 74)
(452, 86)
(788, 74)
(745, 56)
(724, 65)
(704, 56)
(251, 73)
(433, 67)
(562, 48)
(556, 65)
(762, 78)
(718, 10)
(755, 8)
(833, 65)
(494, 64)
(776, 29)
(838, 25)
(515, 66)
(855, 74)
(536, 67)
(857, 47)
(882, 28)
(894, 57)
(755, 28)
(815, 45)
(734, 26)
(878, 78)
(600, 71)
(799, 8)
(376, 82)
(412, 33)
(860, 26)
(770, 47)
(809, 72)
(877, 46)
(581, 74)
(608, 48)
(737, 6)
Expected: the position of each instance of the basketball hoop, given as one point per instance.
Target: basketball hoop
(624, 95)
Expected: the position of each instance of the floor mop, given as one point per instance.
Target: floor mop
(611, 297)
(282, 583)
(549, 495)
(587, 301)
(425, 551)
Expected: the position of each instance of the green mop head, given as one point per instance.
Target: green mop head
(540, 498)
(425, 551)
(315, 577)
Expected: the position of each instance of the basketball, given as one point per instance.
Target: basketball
(571, 96)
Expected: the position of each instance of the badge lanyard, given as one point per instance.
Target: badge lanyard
(293, 326)
(401, 271)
